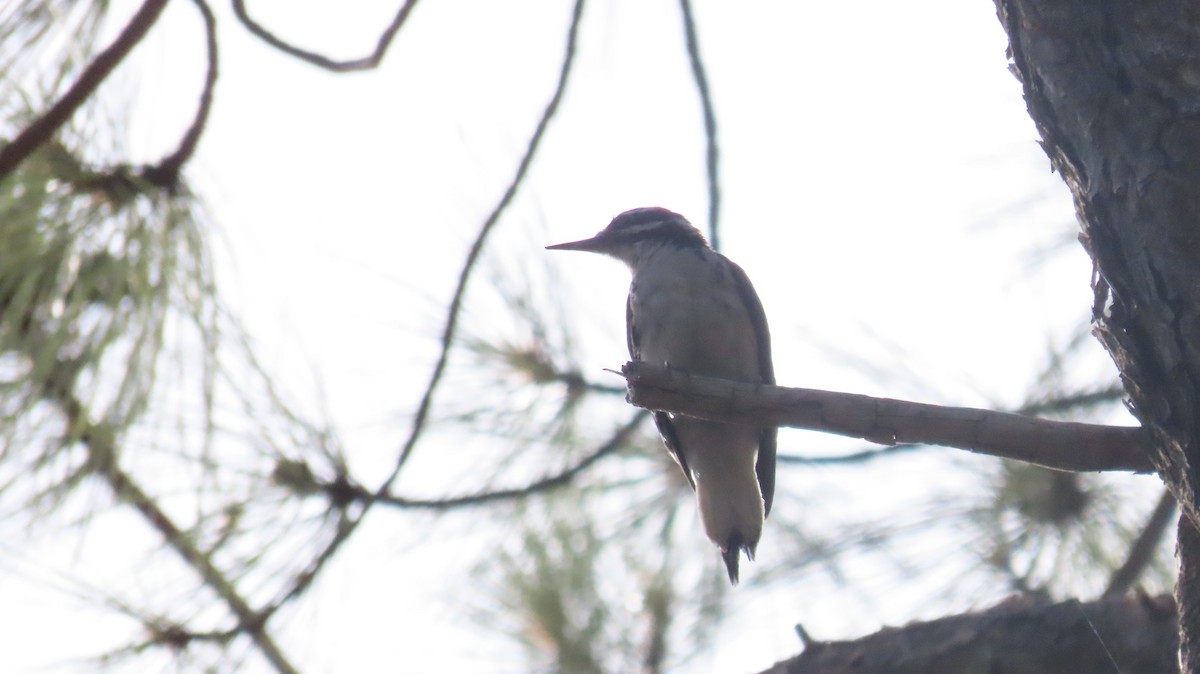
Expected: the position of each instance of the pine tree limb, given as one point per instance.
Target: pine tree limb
(12, 154)
(1061, 445)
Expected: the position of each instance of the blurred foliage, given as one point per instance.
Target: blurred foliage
(44, 42)
(579, 603)
(94, 264)
(121, 376)
(1064, 534)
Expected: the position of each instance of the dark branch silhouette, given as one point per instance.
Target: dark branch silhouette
(560, 479)
(165, 174)
(477, 246)
(364, 63)
(710, 123)
(348, 525)
(1062, 445)
(12, 154)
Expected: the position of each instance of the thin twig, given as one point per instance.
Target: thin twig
(1062, 445)
(305, 578)
(468, 267)
(710, 123)
(618, 439)
(364, 63)
(97, 71)
(166, 173)
(1141, 553)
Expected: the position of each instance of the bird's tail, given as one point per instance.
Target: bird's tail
(731, 552)
(731, 509)
(722, 460)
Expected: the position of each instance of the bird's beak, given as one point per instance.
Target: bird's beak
(592, 245)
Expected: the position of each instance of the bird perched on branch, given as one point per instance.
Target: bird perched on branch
(693, 309)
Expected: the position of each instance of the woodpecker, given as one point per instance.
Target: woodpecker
(695, 310)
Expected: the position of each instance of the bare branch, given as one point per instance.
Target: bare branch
(710, 123)
(618, 439)
(460, 291)
(12, 154)
(1141, 553)
(1061, 445)
(166, 173)
(1056, 404)
(347, 525)
(364, 63)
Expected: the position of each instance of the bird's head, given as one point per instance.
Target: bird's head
(635, 231)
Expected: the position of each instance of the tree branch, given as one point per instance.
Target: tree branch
(562, 478)
(1141, 553)
(348, 525)
(364, 63)
(476, 250)
(1061, 445)
(710, 123)
(1056, 404)
(165, 174)
(1021, 635)
(12, 154)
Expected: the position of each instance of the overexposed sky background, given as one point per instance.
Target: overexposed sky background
(881, 185)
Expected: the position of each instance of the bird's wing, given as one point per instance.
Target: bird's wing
(666, 428)
(661, 419)
(764, 468)
(631, 337)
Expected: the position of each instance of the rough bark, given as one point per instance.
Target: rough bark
(1114, 88)
(1132, 634)
(1187, 588)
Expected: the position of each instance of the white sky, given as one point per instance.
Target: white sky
(881, 185)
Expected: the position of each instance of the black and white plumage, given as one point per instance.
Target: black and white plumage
(693, 309)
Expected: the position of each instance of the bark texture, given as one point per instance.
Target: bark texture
(1114, 88)
(1026, 635)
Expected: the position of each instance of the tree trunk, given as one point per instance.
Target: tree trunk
(1114, 88)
